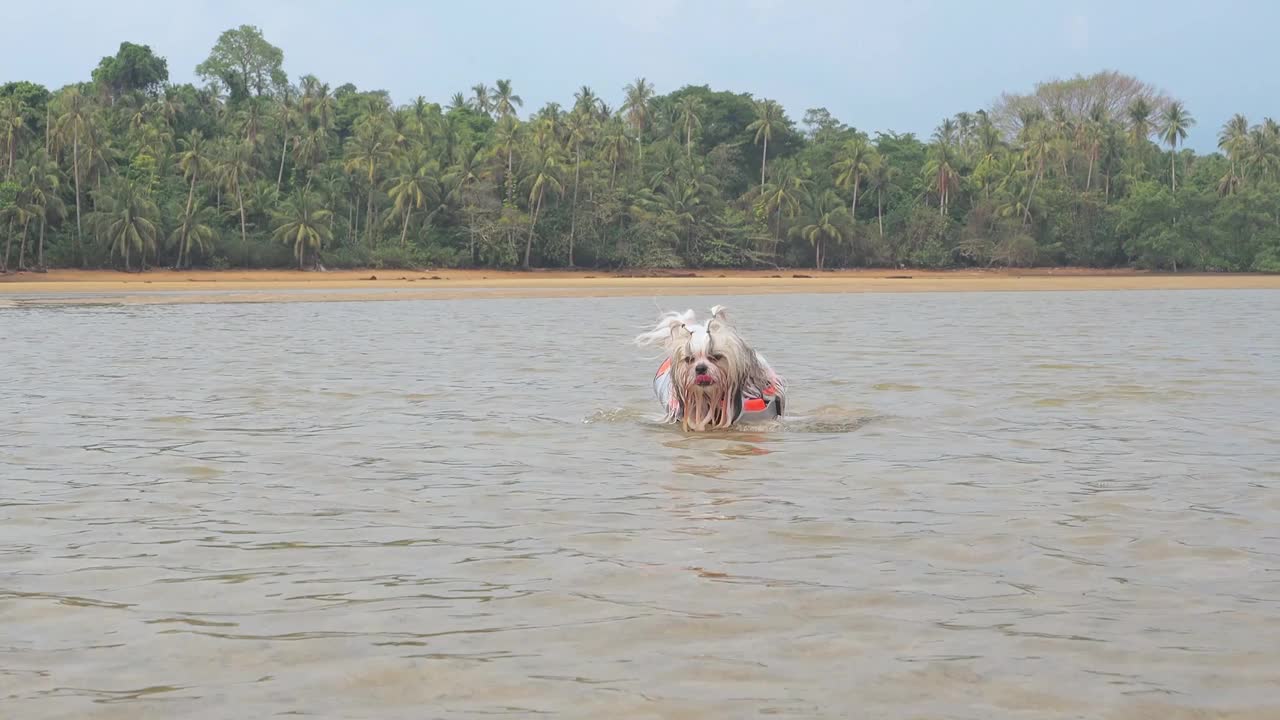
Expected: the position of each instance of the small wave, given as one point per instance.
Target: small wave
(824, 420)
(618, 415)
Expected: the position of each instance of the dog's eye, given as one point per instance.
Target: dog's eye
(688, 359)
(717, 357)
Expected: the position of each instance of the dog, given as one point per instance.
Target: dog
(711, 378)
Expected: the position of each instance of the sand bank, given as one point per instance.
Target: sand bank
(167, 286)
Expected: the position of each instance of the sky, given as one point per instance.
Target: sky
(899, 65)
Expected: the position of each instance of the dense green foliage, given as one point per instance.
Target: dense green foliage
(130, 171)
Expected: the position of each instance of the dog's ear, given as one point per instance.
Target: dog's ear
(680, 332)
(719, 315)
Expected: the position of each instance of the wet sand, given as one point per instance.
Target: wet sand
(167, 286)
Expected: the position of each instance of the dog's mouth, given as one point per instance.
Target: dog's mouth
(704, 380)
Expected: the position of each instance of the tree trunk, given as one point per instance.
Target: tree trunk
(244, 232)
(280, 175)
(186, 221)
(8, 244)
(22, 247)
(764, 160)
(75, 152)
(853, 209)
(1026, 215)
(404, 231)
(573, 214)
(1088, 180)
(528, 246)
(471, 234)
(368, 219)
(127, 266)
(778, 230)
(40, 255)
(880, 213)
(507, 179)
(1173, 170)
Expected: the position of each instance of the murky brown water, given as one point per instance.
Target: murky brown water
(1010, 505)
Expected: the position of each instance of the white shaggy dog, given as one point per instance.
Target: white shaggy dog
(711, 378)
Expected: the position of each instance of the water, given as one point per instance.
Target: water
(1002, 505)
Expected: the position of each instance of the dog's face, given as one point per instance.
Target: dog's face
(699, 365)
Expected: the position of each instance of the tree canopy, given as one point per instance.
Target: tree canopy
(245, 63)
(254, 170)
(134, 68)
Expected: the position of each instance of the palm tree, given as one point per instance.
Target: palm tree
(21, 211)
(481, 100)
(1140, 112)
(585, 101)
(1035, 154)
(880, 177)
(850, 166)
(44, 186)
(579, 126)
(638, 96)
(310, 150)
(768, 118)
(13, 129)
(615, 146)
(366, 151)
(465, 173)
(507, 135)
(782, 194)
(301, 222)
(829, 223)
(689, 108)
(234, 169)
(1094, 130)
(1233, 138)
(128, 218)
(195, 164)
(505, 101)
(75, 121)
(1263, 150)
(285, 116)
(545, 176)
(414, 189)
(196, 231)
(940, 167)
(318, 104)
(1175, 121)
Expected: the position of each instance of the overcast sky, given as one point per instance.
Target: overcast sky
(888, 65)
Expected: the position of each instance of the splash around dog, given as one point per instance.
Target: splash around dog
(711, 378)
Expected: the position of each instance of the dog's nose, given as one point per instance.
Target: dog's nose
(701, 368)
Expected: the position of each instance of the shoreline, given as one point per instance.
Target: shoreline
(163, 286)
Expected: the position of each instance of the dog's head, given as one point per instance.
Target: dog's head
(711, 367)
(707, 358)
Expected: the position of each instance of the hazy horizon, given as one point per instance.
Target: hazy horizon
(873, 66)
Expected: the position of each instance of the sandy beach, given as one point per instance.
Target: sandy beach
(167, 286)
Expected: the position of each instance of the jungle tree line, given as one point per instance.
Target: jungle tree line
(131, 171)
